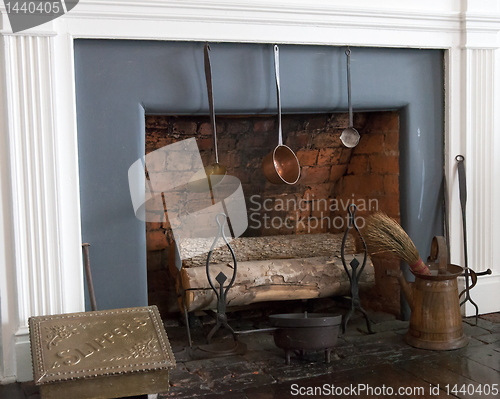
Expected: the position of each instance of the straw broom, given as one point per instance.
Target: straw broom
(384, 235)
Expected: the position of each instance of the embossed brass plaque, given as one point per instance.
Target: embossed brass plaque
(95, 344)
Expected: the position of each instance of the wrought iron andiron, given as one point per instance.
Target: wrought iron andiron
(221, 278)
(354, 275)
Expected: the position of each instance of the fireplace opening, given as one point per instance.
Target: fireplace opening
(311, 213)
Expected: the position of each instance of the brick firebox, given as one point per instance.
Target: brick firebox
(332, 177)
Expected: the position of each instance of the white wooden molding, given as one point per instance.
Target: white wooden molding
(479, 155)
(31, 125)
(272, 21)
(270, 12)
(30, 119)
(481, 31)
(480, 152)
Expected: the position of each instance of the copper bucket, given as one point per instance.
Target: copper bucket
(281, 165)
(436, 321)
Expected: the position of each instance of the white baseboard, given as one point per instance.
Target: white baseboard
(23, 356)
(7, 380)
(486, 294)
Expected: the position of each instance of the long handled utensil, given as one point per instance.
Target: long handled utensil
(181, 293)
(88, 275)
(350, 136)
(215, 172)
(469, 273)
(281, 165)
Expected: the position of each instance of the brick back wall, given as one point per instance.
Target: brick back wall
(372, 183)
(329, 172)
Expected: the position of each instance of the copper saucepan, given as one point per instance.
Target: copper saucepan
(281, 165)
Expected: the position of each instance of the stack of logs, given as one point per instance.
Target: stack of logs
(271, 268)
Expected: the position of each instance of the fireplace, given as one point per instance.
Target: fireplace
(332, 178)
(41, 183)
(172, 85)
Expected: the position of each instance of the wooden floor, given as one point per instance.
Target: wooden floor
(365, 366)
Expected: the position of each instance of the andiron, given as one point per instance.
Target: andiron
(354, 275)
(221, 294)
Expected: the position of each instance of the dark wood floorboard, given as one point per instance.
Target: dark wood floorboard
(360, 360)
(470, 369)
(434, 374)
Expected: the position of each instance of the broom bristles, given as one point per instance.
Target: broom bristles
(384, 235)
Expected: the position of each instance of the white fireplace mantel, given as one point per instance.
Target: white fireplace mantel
(41, 269)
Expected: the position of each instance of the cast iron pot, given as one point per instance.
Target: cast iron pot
(301, 332)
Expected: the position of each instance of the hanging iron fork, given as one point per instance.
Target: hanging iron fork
(462, 184)
(221, 294)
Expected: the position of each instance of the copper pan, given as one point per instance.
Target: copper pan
(281, 165)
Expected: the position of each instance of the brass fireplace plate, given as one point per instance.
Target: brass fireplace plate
(92, 345)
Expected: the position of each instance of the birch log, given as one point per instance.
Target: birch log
(265, 248)
(273, 280)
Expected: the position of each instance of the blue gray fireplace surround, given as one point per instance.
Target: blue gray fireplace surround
(118, 82)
